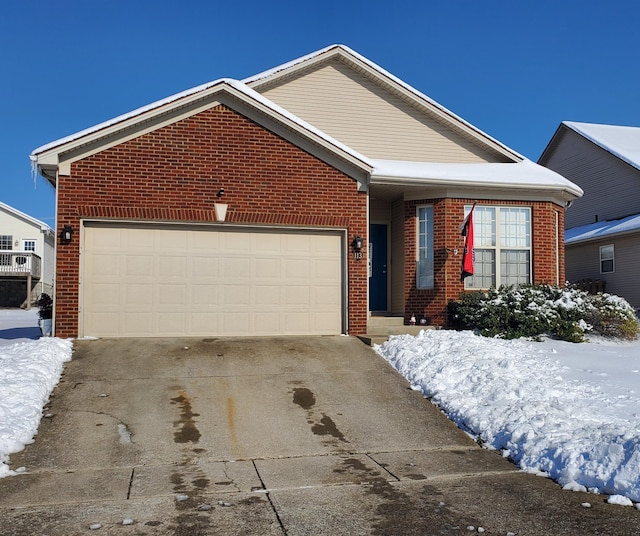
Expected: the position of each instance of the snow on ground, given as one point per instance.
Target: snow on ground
(557, 409)
(29, 370)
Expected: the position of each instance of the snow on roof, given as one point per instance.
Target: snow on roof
(602, 229)
(43, 226)
(524, 173)
(125, 116)
(384, 73)
(236, 84)
(621, 141)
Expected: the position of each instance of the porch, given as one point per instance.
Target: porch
(19, 273)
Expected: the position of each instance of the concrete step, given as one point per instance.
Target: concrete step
(380, 328)
(384, 321)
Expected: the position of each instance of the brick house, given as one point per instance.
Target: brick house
(302, 200)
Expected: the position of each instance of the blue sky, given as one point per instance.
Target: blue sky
(514, 69)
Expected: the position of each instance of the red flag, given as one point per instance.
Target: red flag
(467, 255)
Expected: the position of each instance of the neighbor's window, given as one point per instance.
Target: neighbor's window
(606, 259)
(424, 264)
(29, 245)
(502, 246)
(6, 243)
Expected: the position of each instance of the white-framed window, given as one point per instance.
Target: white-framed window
(607, 257)
(502, 246)
(29, 245)
(424, 262)
(6, 244)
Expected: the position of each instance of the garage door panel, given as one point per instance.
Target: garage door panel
(156, 281)
(323, 296)
(136, 322)
(236, 268)
(104, 294)
(297, 269)
(267, 295)
(140, 295)
(267, 268)
(172, 266)
(236, 296)
(172, 296)
(103, 265)
(172, 323)
(298, 245)
(205, 268)
(138, 265)
(204, 294)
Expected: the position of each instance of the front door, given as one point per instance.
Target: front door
(378, 267)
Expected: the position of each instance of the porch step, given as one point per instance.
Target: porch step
(380, 328)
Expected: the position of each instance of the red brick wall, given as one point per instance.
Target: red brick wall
(174, 174)
(448, 214)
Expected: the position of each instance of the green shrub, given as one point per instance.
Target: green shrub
(567, 313)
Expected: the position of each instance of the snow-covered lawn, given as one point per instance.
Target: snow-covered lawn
(29, 370)
(569, 411)
(563, 410)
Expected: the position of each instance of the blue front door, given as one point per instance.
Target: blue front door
(378, 275)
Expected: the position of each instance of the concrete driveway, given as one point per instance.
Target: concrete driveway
(270, 436)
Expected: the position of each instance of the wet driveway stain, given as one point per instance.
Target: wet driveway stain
(304, 398)
(187, 430)
(325, 425)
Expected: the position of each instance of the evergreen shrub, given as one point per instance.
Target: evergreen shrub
(566, 313)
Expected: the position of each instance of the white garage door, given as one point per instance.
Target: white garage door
(155, 281)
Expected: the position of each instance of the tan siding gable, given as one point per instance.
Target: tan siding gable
(367, 117)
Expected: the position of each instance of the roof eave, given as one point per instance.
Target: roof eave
(565, 193)
(48, 158)
(600, 238)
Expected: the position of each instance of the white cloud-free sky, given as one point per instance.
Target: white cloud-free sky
(513, 69)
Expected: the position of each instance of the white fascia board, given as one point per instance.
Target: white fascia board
(58, 156)
(521, 176)
(422, 188)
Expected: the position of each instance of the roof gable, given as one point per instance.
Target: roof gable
(57, 156)
(621, 141)
(25, 217)
(358, 102)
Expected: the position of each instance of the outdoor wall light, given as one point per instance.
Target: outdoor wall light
(220, 192)
(357, 243)
(66, 234)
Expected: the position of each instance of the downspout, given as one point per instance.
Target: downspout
(557, 248)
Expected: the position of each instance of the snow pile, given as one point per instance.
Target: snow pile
(517, 397)
(28, 373)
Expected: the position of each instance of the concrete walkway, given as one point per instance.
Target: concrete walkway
(276, 436)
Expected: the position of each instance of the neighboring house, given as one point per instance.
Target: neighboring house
(603, 227)
(344, 190)
(26, 258)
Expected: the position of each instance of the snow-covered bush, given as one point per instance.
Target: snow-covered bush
(511, 312)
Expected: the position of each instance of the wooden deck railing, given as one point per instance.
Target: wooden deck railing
(20, 264)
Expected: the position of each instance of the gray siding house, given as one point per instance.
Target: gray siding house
(602, 236)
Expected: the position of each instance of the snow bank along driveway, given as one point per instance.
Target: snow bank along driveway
(569, 411)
